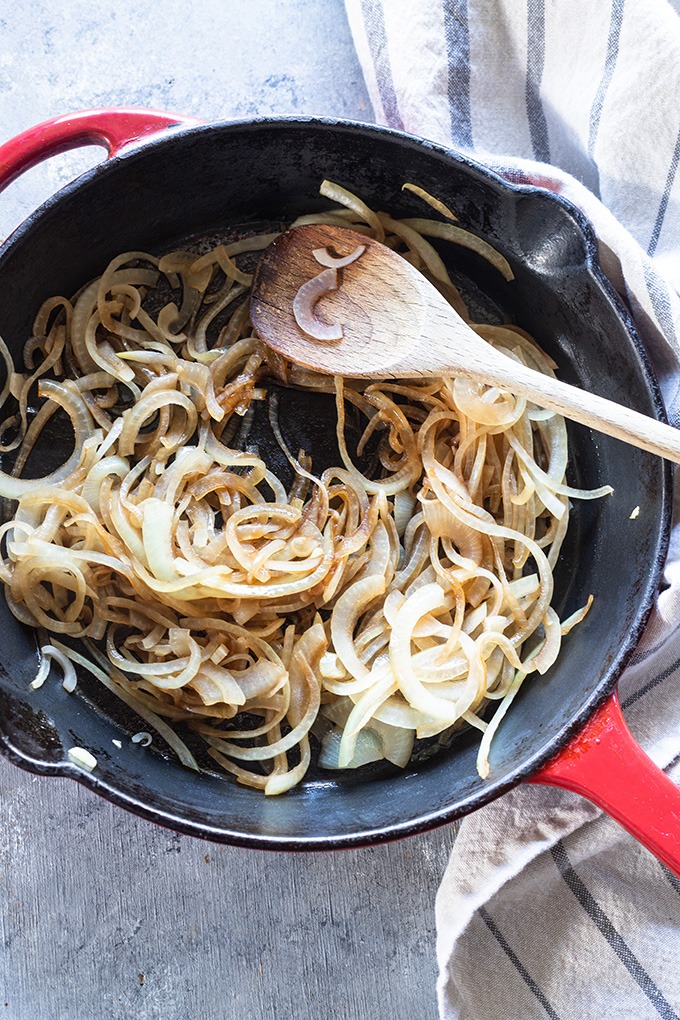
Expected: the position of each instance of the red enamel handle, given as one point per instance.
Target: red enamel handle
(605, 763)
(112, 128)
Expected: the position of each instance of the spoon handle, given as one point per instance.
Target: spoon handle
(587, 408)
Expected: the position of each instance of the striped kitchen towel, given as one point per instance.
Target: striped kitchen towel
(547, 908)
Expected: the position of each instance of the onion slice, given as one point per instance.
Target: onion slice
(66, 395)
(324, 257)
(306, 299)
(81, 756)
(435, 203)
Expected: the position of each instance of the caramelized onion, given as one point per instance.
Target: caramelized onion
(324, 258)
(363, 607)
(306, 300)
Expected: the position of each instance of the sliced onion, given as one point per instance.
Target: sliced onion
(449, 232)
(431, 201)
(165, 731)
(306, 300)
(42, 674)
(396, 742)
(9, 369)
(143, 738)
(324, 257)
(66, 396)
(102, 469)
(368, 748)
(349, 607)
(336, 193)
(404, 505)
(81, 756)
(576, 617)
(157, 537)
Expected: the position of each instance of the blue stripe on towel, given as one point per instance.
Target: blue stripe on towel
(609, 65)
(673, 879)
(374, 19)
(609, 932)
(457, 34)
(538, 126)
(665, 198)
(517, 963)
(654, 682)
(659, 295)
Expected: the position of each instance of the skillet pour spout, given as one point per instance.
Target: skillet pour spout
(184, 181)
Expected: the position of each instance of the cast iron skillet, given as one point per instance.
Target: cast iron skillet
(197, 180)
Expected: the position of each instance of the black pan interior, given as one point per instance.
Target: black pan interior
(200, 183)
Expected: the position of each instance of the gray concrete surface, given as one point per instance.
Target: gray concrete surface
(104, 916)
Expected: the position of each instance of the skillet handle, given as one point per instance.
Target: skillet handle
(112, 128)
(604, 763)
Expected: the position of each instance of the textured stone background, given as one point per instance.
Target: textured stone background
(104, 916)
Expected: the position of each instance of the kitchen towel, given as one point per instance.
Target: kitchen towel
(547, 907)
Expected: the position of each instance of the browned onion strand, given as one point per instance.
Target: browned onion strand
(367, 611)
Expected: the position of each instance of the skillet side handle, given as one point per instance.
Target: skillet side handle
(111, 128)
(604, 763)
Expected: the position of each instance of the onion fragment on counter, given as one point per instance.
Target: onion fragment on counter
(245, 620)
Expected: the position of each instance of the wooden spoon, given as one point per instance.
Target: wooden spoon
(396, 324)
